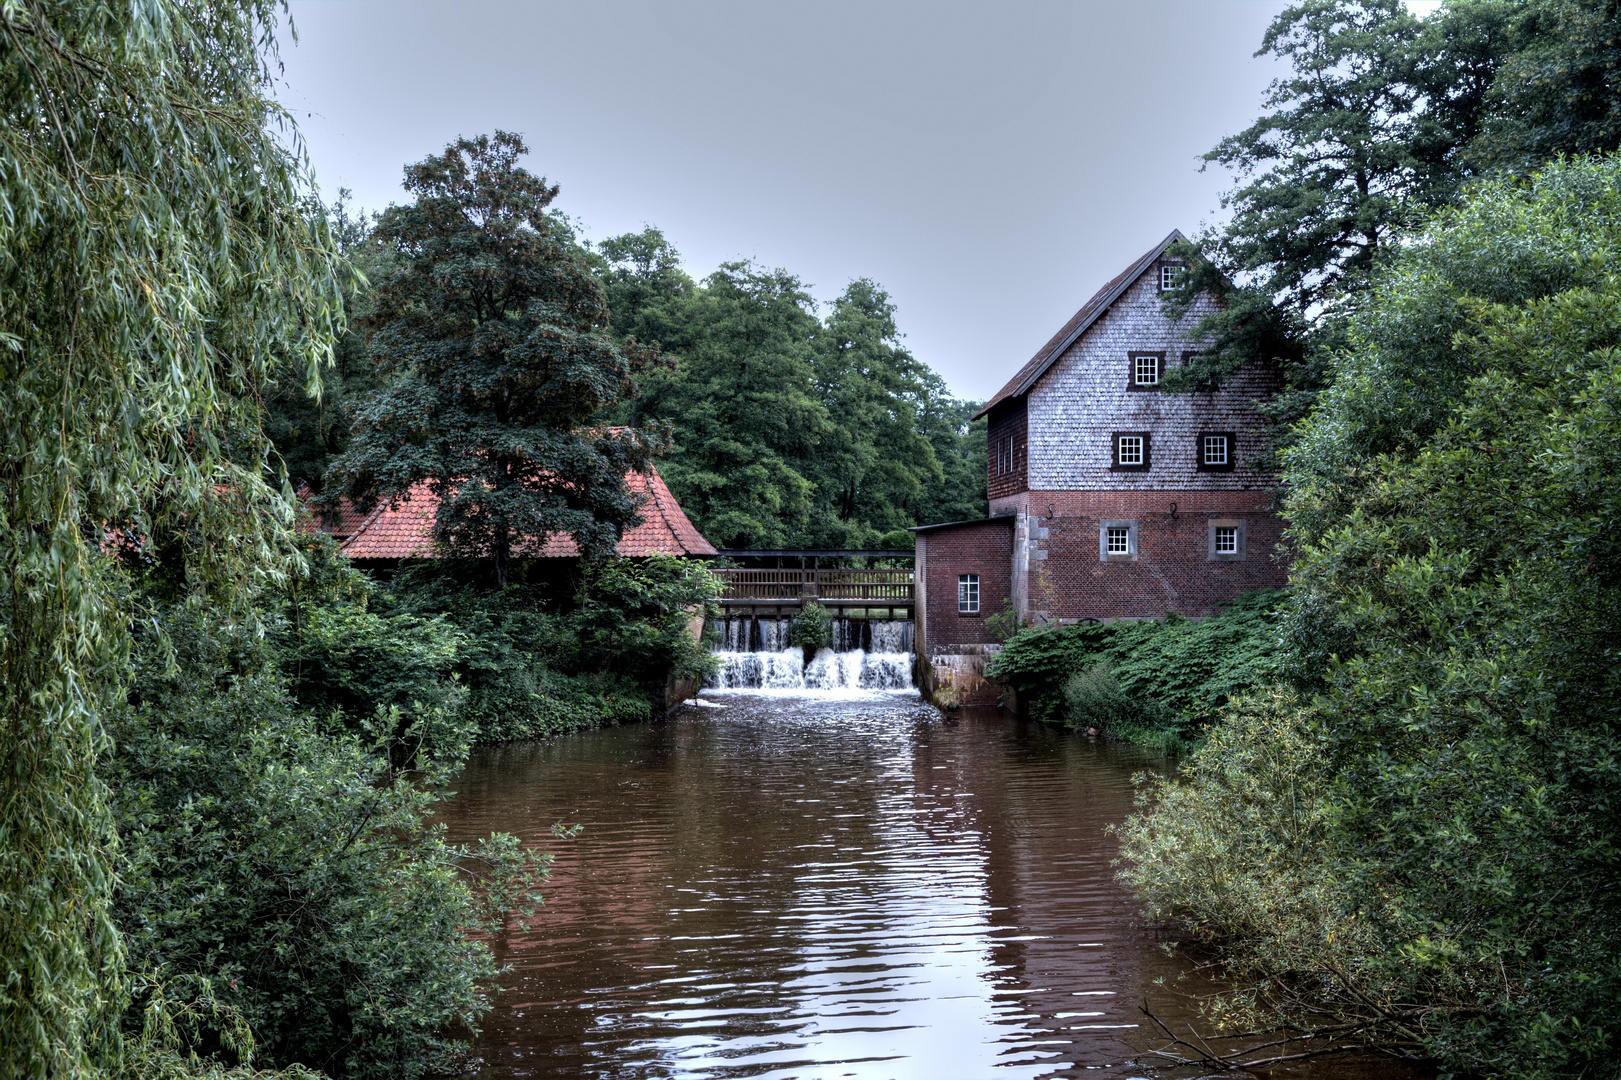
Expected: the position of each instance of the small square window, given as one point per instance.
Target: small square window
(1131, 451)
(1227, 541)
(1145, 369)
(968, 594)
(1168, 274)
(1117, 541)
(1215, 451)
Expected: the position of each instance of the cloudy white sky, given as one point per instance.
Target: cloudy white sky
(989, 164)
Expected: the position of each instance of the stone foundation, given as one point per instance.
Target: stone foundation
(954, 675)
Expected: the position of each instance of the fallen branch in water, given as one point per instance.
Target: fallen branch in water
(1341, 1039)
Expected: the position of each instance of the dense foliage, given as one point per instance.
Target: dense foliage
(1455, 778)
(533, 667)
(792, 430)
(492, 335)
(1155, 683)
(159, 251)
(1383, 118)
(285, 871)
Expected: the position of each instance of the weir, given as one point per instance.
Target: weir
(867, 654)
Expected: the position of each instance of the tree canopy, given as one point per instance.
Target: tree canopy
(492, 332)
(1384, 118)
(789, 428)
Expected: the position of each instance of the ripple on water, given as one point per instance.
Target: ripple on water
(815, 887)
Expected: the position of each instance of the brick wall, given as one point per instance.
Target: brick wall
(982, 547)
(1170, 570)
(1006, 454)
(1085, 397)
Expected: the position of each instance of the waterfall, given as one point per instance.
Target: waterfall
(867, 654)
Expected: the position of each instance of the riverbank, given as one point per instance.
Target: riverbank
(1154, 684)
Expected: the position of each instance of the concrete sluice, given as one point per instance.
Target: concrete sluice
(868, 654)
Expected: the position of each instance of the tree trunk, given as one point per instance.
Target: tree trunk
(501, 551)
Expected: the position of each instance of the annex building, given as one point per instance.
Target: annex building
(1109, 499)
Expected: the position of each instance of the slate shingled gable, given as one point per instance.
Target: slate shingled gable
(1078, 324)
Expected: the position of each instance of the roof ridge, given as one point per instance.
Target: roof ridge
(1078, 324)
(364, 524)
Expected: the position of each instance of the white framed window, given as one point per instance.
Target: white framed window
(1168, 273)
(1145, 369)
(1216, 451)
(967, 594)
(1227, 540)
(1131, 450)
(1117, 541)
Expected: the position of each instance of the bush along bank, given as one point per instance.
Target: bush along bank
(1151, 683)
(1413, 843)
(522, 661)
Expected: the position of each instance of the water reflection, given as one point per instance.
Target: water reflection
(802, 887)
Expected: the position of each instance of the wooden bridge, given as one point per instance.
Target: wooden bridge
(754, 587)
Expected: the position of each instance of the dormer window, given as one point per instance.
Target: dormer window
(1144, 369)
(1216, 451)
(1131, 451)
(1169, 273)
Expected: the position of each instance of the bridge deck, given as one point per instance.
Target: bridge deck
(830, 588)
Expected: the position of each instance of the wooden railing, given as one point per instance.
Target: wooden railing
(854, 587)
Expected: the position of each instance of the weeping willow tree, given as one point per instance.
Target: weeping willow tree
(160, 254)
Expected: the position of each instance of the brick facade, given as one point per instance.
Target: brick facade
(952, 647)
(981, 548)
(1190, 514)
(1172, 567)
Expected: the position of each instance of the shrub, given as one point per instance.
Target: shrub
(1094, 699)
(1436, 853)
(1234, 850)
(812, 628)
(286, 876)
(1154, 683)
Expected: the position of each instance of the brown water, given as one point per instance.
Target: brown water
(816, 887)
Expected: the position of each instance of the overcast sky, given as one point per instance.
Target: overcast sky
(990, 165)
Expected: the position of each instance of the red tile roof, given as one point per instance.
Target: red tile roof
(1090, 312)
(405, 530)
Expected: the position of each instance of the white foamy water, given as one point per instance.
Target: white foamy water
(757, 657)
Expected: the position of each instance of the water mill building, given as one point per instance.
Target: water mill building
(1109, 499)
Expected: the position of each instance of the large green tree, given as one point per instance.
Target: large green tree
(1560, 91)
(1425, 843)
(742, 407)
(493, 332)
(789, 429)
(1361, 139)
(308, 430)
(159, 251)
(874, 466)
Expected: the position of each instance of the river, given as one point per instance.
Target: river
(820, 886)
